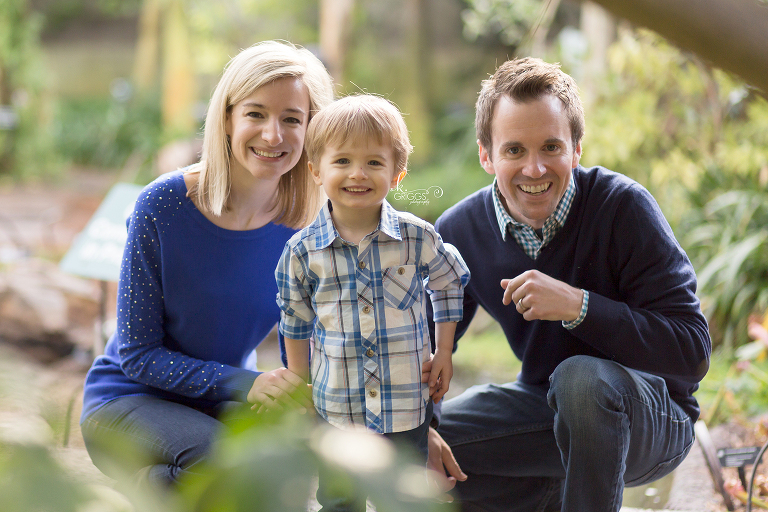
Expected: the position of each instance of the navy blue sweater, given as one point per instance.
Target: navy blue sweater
(616, 243)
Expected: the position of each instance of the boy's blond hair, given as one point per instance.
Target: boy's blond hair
(357, 118)
(298, 199)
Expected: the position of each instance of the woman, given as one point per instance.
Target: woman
(197, 288)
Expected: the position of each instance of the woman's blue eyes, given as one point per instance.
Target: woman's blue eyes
(259, 115)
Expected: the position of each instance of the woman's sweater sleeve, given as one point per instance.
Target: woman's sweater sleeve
(144, 357)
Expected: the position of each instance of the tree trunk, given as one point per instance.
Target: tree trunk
(335, 22)
(599, 28)
(417, 73)
(541, 30)
(178, 75)
(730, 34)
(148, 46)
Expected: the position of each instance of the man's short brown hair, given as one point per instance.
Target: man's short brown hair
(524, 80)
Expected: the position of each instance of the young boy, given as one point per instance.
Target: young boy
(353, 281)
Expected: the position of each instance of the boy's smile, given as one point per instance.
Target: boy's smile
(356, 177)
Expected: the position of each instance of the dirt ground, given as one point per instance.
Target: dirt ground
(44, 400)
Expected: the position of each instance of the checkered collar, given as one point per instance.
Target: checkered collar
(553, 223)
(325, 232)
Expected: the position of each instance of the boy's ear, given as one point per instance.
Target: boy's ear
(398, 178)
(315, 172)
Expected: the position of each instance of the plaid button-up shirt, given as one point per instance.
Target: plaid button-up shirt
(362, 305)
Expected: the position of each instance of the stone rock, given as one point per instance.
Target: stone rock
(47, 313)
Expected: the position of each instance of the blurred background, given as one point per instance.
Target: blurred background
(96, 92)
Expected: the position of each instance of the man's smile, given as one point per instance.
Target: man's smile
(535, 189)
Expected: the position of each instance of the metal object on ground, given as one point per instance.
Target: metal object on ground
(713, 463)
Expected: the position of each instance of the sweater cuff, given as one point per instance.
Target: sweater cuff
(240, 383)
(582, 314)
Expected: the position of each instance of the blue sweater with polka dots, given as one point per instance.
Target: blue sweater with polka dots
(193, 301)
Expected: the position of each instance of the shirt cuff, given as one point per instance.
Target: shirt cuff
(295, 329)
(582, 314)
(447, 306)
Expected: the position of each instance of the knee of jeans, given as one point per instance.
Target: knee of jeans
(580, 384)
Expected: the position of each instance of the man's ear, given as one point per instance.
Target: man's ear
(576, 156)
(315, 173)
(485, 160)
(398, 178)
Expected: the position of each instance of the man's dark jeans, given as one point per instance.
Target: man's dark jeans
(574, 447)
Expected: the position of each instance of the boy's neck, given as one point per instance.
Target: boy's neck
(354, 225)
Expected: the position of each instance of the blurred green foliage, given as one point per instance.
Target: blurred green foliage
(106, 132)
(726, 234)
(262, 463)
(25, 142)
(510, 20)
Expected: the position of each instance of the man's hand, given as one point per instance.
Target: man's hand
(280, 388)
(538, 296)
(440, 462)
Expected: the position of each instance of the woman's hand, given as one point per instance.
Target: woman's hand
(280, 388)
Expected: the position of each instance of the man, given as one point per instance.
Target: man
(595, 297)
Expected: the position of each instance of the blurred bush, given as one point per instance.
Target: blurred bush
(726, 235)
(25, 141)
(107, 132)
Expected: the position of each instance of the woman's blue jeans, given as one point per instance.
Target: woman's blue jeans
(145, 440)
(573, 447)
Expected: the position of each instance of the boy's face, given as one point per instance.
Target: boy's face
(357, 175)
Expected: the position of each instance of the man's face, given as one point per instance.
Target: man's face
(532, 156)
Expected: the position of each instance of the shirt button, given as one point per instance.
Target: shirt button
(362, 264)
(372, 393)
(401, 271)
(369, 352)
(366, 309)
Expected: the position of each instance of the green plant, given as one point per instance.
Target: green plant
(737, 388)
(726, 237)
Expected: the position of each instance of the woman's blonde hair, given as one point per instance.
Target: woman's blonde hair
(357, 118)
(298, 198)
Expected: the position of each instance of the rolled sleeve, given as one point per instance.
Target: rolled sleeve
(448, 276)
(297, 318)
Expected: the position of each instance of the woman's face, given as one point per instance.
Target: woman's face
(267, 129)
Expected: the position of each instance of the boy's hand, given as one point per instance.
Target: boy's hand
(440, 374)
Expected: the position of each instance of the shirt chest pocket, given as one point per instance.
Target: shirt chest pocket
(402, 286)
